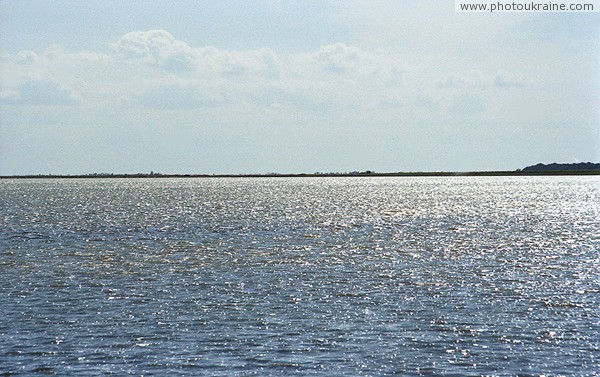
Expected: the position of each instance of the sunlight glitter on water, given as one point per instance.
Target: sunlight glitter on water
(342, 276)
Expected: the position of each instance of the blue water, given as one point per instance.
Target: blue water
(300, 276)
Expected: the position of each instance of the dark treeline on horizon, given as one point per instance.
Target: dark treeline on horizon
(563, 167)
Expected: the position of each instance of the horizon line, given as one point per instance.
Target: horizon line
(368, 173)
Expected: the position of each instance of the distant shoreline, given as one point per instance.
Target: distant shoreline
(314, 175)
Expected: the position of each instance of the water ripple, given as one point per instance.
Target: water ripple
(344, 276)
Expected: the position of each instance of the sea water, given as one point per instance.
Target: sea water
(300, 276)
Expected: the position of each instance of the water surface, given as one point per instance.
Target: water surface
(301, 276)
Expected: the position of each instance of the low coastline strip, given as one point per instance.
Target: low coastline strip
(315, 175)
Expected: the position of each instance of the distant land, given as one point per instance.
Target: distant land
(582, 168)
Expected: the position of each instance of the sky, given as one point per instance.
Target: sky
(284, 86)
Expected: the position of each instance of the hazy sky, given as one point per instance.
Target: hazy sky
(293, 86)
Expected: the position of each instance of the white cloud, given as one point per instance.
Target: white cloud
(26, 57)
(340, 57)
(377, 66)
(176, 95)
(263, 62)
(10, 96)
(335, 76)
(39, 92)
(156, 47)
(159, 48)
(340, 78)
